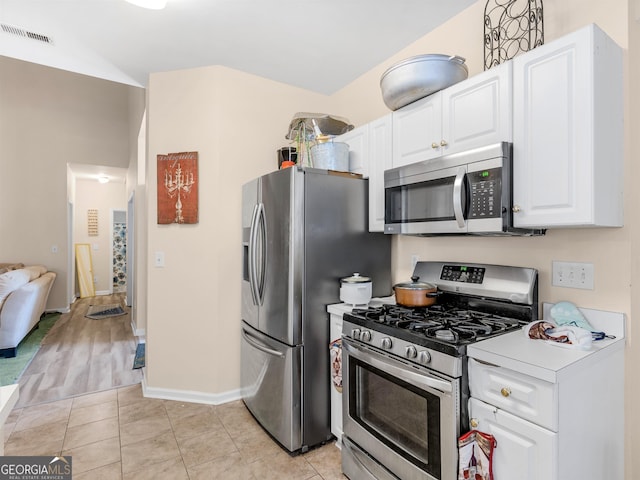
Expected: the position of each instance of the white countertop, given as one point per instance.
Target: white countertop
(544, 360)
(341, 308)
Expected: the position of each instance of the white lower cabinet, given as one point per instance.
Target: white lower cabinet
(507, 404)
(556, 413)
(525, 451)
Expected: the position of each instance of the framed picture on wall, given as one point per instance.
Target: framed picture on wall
(178, 188)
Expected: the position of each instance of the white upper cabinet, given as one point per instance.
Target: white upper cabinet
(568, 133)
(358, 141)
(469, 114)
(478, 112)
(380, 149)
(370, 155)
(417, 131)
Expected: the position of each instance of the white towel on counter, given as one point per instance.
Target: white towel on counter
(559, 335)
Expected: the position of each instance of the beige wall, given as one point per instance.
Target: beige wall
(235, 122)
(49, 118)
(89, 194)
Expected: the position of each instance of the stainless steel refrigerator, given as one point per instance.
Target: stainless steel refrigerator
(303, 230)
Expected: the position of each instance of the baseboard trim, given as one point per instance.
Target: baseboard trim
(189, 395)
(138, 332)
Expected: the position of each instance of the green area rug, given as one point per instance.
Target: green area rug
(12, 368)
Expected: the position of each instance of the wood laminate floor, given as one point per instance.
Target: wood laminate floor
(80, 355)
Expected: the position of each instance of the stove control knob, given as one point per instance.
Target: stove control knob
(386, 343)
(355, 333)
(411, 352)
(365, 336)
(425, 357)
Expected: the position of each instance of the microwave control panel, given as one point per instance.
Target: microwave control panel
(486, 193)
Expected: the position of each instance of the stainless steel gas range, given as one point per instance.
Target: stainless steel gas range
(405, 385)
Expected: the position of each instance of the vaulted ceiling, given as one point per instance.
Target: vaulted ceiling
(319, 45)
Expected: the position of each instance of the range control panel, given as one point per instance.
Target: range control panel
(486, 192)
(461, 273)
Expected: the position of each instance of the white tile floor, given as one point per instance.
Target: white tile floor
(119, 434)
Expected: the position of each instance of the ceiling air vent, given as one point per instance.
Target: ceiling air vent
(23, 32)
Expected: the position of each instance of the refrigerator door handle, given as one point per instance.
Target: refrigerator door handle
(254, 342)
(261, 262)
(252, 255)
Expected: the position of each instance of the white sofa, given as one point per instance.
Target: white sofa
(23, 299)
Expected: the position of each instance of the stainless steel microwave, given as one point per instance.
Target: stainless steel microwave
(466, 193)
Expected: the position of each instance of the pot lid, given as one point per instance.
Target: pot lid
(355, 278)
(415, 284)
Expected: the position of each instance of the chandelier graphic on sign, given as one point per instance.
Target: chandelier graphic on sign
(178, 188)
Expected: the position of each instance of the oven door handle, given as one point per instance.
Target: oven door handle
(420, 380)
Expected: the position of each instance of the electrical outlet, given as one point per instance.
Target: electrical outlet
(414, 260)
(572, 275)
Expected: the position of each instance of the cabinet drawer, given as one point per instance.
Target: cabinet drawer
(524, 451)
(527, 397)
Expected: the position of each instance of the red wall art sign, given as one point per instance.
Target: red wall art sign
(178, 188)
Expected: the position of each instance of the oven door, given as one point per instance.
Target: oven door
(405, 417)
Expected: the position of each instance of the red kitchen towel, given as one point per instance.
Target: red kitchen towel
(475, 456)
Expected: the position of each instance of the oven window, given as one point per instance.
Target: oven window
(401, 415)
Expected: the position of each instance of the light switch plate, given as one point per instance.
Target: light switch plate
(572, 275)
(159, 259)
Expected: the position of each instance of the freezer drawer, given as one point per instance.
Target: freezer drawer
(271, 385)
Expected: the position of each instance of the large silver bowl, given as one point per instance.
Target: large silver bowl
(417, 77)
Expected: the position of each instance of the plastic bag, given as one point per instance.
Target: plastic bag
(475, 456)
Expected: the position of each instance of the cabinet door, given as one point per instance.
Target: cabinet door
(358, 141)
(478, 111)
(417, 131)
(524, 450)
(380, 152)
(568, 131)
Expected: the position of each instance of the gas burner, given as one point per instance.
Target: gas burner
(444, 323)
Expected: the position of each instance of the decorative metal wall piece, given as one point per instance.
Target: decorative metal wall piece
(178, 188)
(511, 27)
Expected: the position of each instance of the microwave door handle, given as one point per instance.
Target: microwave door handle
(458, 185)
